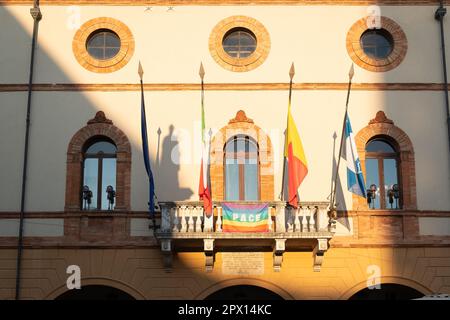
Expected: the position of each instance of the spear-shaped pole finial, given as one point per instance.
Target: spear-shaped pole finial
(201, 72)
(140, 71)
(351, 72)
(292, 71)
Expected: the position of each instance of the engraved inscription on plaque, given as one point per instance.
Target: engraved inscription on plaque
(243, 263)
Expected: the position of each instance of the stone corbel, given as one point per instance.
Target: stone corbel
(208, 247)
(280, 247)
(166, 249)
(318, 253)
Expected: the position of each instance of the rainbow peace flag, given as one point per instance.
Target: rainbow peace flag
(245, 217)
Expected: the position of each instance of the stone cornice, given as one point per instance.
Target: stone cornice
(226, 2)
(113, 87)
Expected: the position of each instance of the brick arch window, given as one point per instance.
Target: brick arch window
(246, 148)
(387, 158)
(98, 129)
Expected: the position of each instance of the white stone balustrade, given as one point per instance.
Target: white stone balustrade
(188, 217)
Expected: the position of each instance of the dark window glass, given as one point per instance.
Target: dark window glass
(239, 43)
(379, 146)
(377, 44)
(99, 173)
(382, 178)
(241, 170)
(103, 44)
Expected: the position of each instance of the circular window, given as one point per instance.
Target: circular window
(377, 50)
(103, 45)
(239, 43)
(377, 44)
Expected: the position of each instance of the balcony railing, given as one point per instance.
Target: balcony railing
(182, 218)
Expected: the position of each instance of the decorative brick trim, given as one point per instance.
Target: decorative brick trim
(98, 126)
(242, 125)
(358, 55)
(382, 126)
(116, 87)
(239, 64)
(103, 66)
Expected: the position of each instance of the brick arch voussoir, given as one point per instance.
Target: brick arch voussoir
(99, 129)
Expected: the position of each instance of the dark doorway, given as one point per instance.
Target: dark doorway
(243, 293)
(388, 291)
(95, 292)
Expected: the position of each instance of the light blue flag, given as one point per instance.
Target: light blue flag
(355, 178)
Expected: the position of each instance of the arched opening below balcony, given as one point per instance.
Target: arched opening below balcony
(244, 292)
(387, 291)
(95, 292)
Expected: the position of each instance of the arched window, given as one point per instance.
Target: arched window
(241, 158)
(383, 174)
(99, 174)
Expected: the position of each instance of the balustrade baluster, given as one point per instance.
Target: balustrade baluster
(219, 220)
(290, 212)
(297, 220)
(304, 221)
(198, 223)
(183, 218)
(190, 212)
(174, 213)
(312, 222)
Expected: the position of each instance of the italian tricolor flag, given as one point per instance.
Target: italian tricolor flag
(203, 189)
(297, 165)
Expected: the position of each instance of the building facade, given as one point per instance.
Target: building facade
(85, 131)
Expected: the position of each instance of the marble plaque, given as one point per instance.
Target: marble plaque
(243, 263)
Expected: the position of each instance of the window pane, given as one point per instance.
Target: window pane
(97, 53)
(373, 178)
(251, 181)
(232, 40)
(111, 40)
(379, 146)
(231, 180)
(103, 146)
(390, 178)
(111, 52)
(377, 43)
(91, 180)
(103, 44)
(247, 40)
(108, 179)
(97, 40)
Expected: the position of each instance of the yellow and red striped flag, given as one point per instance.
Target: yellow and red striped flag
(297, 164)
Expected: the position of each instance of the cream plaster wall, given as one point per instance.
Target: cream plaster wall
(171, 44)
(57, 116)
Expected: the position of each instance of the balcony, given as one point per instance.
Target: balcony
(185, 227)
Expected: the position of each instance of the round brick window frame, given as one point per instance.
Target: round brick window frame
(357, 54)
(381, 126)
(239, 64)
(109, 65)
(99, 126)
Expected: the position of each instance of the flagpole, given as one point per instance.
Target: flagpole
(151, 201)
(333, 195)
(291, 75)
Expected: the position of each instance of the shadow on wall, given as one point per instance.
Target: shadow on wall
(167, 170)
